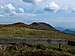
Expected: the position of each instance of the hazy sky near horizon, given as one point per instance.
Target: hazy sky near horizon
(60, 13)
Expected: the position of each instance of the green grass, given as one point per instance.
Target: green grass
(27, 32)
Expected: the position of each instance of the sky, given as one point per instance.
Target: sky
(58, 13)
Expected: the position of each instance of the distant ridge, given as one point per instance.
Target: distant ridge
(18, 24)
(69, 31)
(34, 25)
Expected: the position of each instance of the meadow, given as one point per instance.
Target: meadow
(20, 31)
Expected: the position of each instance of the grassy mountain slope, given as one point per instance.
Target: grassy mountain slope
(32, 30)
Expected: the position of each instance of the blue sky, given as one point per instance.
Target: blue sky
(59, 13)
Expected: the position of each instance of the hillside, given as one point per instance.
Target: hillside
(41, 26)
(33, 30)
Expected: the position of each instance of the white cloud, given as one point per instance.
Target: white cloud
(1, 7)
(1, 15)
(10, 6)
(7, 10)
(38, 2)
(21, 10)
(24, 14)
(54, 6)
(73, 9)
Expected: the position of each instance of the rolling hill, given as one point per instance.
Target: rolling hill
(69, 31)
(35, 29)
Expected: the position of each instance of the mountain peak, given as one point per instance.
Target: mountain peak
(41, 25)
